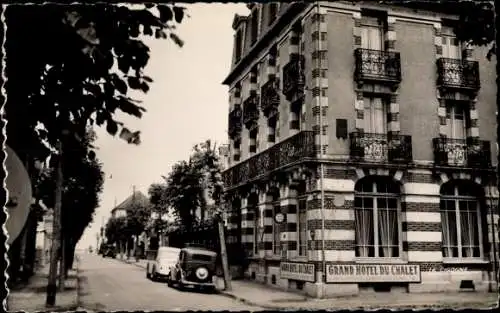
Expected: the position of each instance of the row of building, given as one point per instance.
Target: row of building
(361, 149)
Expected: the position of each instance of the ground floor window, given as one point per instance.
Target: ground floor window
(276, 232)
(302, 228)
(377, 223)
(461, 221)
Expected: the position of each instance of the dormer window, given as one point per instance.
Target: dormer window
(273, 12)
(254, 25)
(238, 43)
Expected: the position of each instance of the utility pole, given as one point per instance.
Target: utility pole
(56, 231)
(223, 252)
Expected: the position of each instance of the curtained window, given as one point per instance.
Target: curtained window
(276, 232)
(302, 228)
(375, 115)
(377, 222)
(461, 221)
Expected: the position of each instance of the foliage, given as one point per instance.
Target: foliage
(115, 230)
(157, 199)
(82, 183)
(477, 24)
(72, 66)
(191, 185)
(137, 219)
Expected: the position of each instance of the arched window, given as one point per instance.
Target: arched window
(377, 221)
(461, 220)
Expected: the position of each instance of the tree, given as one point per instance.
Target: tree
(191, 184)
(114, 230)
(83, 182)
(74, 65)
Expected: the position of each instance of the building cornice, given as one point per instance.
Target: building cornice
(283, 20)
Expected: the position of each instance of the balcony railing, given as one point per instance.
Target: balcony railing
(293, 77)
(376, 65)
(251, 111)
(457, 73)
(293, 149)
(370, 147)
(235, 125)
(459, 152)
(270, 100)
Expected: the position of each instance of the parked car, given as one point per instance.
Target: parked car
(194, 267)
(109, 251)
(159, 267)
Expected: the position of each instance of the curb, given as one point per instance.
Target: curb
(132, 263)
(248, 302)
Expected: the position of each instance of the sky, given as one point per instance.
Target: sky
(186, 105)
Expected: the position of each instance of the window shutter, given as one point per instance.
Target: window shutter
(341, 129)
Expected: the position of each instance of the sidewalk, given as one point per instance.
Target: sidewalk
(31, 297)
(257, 294)
(270, 298)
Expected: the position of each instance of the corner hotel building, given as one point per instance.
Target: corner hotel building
(362, 149)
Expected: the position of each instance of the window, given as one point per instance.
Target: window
(302, 228)
(372, 34)
(276, 231)
(461, 221)
(238, 45)
(377, 218)
(273, 12)
(451, 45)
(257, 230)
(456, 120)
(375, 115)
(254, 26)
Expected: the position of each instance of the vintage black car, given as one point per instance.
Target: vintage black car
(194, 267)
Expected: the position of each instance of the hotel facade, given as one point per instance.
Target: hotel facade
(362, 150)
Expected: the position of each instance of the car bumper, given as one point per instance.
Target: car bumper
(198, 284)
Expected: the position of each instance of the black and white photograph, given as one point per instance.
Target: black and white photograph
(250, 156)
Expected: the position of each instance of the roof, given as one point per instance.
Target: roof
(199, 250)
(237, 20)
(136, 197)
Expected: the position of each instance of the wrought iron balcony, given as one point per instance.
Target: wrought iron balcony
(270, 98)
(251, 111)
(457, 73)
(293, 149)
(293, 77)
(460, 152)
(376, 65)
(370, 147)
(234, 127)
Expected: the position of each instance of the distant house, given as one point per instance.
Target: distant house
(121, 210)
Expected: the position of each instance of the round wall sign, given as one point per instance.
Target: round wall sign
(279, 218)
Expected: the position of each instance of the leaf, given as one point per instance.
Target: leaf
(179, 14)
(120, 85)
(160, 34)
(144, 87)
(124, 64)
(134, 82)
(111, 127)
(148, 79)
(166, 14)
(177, 40)
(148, 31)
(130, 108)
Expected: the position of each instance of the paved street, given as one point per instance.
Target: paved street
(111, 285)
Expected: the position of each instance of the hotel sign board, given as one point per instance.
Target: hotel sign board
(298, 271)
(372, 273)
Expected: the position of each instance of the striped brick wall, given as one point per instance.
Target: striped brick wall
(266, 239)
(294, 52)
(339, 230)
(288, 229)
(247, 225)
(319, 74)
(390, 46)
